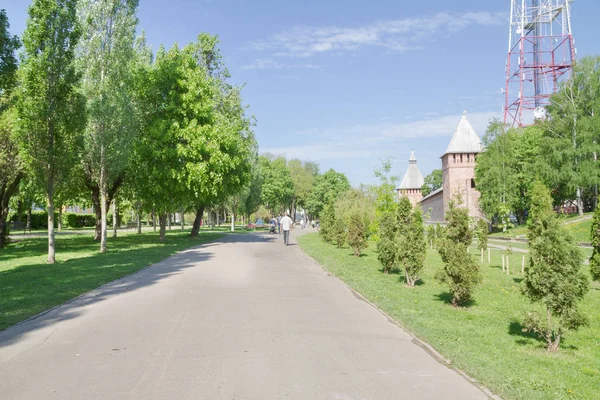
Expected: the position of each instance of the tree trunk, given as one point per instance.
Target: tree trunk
(163, 226)
(232, 222)
(6, 193)
(98, 211)
(154, 219)
(50, 207)
(60, 218)
(115, 218)
(169, 220)
(197, 221)
(19, 211)
(28, 226)
(181, 217)
(579, 202)
(103, 204)
(3, 227)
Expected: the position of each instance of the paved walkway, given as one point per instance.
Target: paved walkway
(242, 318)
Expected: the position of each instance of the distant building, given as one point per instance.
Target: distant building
(412, 182)
(458, 176)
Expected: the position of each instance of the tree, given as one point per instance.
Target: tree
(387, 245)
(10, 163)
(303, 176)
(327, 189)
(432, 182)
(327, 222)
(482, 235)
(595, 239)
(385, 198)
(460, 272)
(414, 248)
(553, 276)
(278, 186)
(106, 59)
(571, 137)
(357, 233)
(339, 231)
(50, 109)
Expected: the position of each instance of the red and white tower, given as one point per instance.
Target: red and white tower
(541, 53)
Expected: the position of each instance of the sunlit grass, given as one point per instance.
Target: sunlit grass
(485, 339)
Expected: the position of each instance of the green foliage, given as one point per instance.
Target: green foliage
(553, 275)
(385, 195)
(431, 238)
(571, 139)
(457, 229)
(339, 231)
(461, 273)
(595, 240)
(432, 182)
(278, 186)
(387, 245)
(414, 248)
(482, 234)
(403, 215)
(357, 232)
(327, 188)
(327, 221)
(74, 220)
(8, 60)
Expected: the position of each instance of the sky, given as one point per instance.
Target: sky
(350, 83)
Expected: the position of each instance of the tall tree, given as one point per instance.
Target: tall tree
(10, 164)
(327, 189)
(50, 109)
(106, 57)
(278, 186)
(414, 248)
(553, 276)
(303, 176)
(572, 138)
(433, 182)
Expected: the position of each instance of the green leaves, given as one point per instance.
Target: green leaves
(553, 276)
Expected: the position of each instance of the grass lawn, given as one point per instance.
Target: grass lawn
(485, 339)
(29, 286)
(580, 230)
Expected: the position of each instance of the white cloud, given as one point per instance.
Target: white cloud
(394, 35)
(268, 63)
(376, 140)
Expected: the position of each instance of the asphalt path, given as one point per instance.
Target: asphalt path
(244, 317)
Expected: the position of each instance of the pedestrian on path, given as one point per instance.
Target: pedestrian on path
(286, 225)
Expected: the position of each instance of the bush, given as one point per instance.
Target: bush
(553, 275)
(357, 233)
(414, 248)
(460, 272)
(327, 221)
(73, 220)
(39, 219)
(387, 246)
(339, 232)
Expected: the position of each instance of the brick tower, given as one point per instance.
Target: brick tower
(412, 182)
(458, 167)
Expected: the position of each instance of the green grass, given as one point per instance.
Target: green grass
(580, 231)
(29, 286)
(485, 339)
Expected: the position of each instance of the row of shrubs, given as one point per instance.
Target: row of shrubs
(39, 220)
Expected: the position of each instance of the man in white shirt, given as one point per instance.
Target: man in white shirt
(286, 225)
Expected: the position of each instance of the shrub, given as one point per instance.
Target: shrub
(357, 233)
(553, 275)
(431, 238)
(73, 220)
(327, 221)
(460, 272)
(595, 239)
(339, 232)
(414, 248)
(387, 247)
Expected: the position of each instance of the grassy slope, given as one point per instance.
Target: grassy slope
(28, 285)
(580, 230)
(484, 340)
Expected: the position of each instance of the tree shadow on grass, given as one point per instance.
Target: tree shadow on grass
(446, 297)
(518, 280)
(515, 328)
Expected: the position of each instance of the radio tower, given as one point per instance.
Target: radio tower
(541, 53)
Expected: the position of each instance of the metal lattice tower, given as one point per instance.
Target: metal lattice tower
(541, 52)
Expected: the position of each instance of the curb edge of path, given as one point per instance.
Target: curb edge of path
(92, 292)
(419, 342)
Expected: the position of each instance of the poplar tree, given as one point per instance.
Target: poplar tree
(553, 277)
(10, 164)
(50, 110)
(106, 56)
(414, 248)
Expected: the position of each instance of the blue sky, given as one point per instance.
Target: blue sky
(348, 83)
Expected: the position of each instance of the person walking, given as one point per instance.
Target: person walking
(286, 225)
